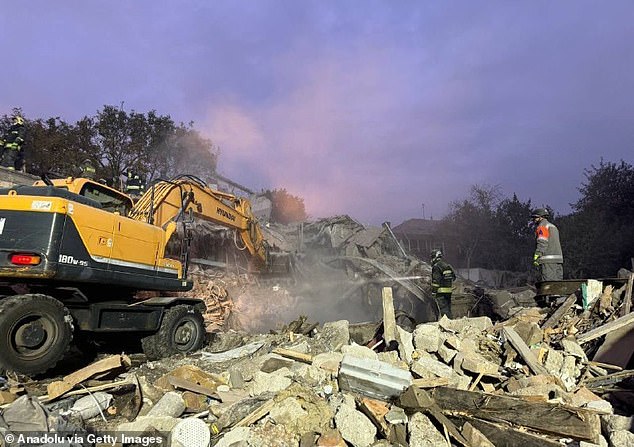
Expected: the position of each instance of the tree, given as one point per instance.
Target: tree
(598, 237)
(286, 208)
(470, 224)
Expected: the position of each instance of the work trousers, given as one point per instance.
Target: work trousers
(551, 272)
(444, 304)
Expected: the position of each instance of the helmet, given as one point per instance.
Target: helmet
(540, 212)
(17, 119)
(436, 254)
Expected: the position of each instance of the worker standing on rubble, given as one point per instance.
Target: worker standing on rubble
(12, 147)
(548, 256)
(442, 278)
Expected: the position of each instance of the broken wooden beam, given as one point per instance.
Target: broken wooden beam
(60, 387)
(503, 435)
(295, 355)
(627, 303)
(524, 351)
(609, 379)
(553, 320)
(606, 328)
(555, 419)
(188, 385)
(417, 399)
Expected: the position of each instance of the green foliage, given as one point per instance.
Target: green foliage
(599, 235)
(286, 208)
(489, 232)
(115, 141)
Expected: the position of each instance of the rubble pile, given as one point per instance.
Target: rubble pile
(467, 382)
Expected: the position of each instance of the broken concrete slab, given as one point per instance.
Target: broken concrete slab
(361, 352)
(423, 433)
(373, 378)
(333, 335)
(287, 411)
(265, 382)
(355, 427)
(427, 337)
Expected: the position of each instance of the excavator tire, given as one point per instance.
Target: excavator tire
(35, 333)
(182, 331)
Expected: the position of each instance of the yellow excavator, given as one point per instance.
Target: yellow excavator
(74, 253)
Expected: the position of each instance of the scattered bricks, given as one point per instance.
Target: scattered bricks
(554, 362)
(287, 411)
(427, 337)
(264, 382)
(171, 405)
(423, 433)
(355, 427)
(334, 335)
(429, 368)
(329, 361)
(361, 352)
(446, 354)
(571, 347)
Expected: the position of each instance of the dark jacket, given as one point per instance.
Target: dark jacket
(442, 277)
(548, 247)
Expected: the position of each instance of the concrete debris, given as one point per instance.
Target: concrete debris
(501, 373)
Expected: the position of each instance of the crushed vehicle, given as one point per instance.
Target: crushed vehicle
(75, 253)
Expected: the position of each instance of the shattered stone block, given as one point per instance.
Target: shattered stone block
(429, 368)
(476, 363)
(329, 361)
(427, 337)
(554, 362)
(571, 347)
(287, 411)
(405, 344)
(361, 352)
(423, 433)
(265, 382)
(331, 438)
(355, 427)
(621, 438)
(446, 354)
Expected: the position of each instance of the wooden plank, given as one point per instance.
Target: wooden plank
(256, 414)
(556, 419)
(524, 351)
(188, 385)
(389, 319)
(627, 299)
(431, 383)
(418, 399)
(295, 355)
(606, 328)
(475, 437)
(60, 387)
(553, 320)
(503, 435)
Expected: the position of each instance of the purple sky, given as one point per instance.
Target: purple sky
(361, 107)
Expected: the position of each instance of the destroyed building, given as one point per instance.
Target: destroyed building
(346, 352)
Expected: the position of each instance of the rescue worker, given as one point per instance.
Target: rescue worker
(442, 278)
(87, 169)
(12, 147)
(548, 256)
(134, 184)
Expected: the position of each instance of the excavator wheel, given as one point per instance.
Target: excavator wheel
(182, 330)
(35, 333)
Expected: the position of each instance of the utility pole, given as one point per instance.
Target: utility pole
(423, 205)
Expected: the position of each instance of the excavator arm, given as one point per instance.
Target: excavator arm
(169, 201)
